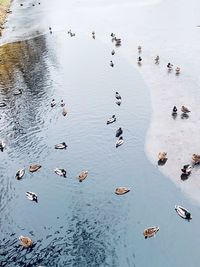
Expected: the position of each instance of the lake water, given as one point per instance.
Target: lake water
(83, 224)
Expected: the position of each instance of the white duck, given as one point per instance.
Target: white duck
(61, 172)
(31, 196)
(119, 142)
(111, 120)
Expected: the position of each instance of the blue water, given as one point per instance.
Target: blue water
(83, 224)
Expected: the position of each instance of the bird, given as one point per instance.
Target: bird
(53, 103)
(111, 120)
(139, 60)
(82, 176)
(25, 241)
(174, 110)
(113, 52)
(117, 96)
(120, 141)
(157, 59)
(118, 102)
(20, 173)
(64, 112)
(19, 92)
(34, 167)
(139, 49)
(122, 190)
(32, 196)
(119, 132)
(62, 104)
(162, 156)
(61, 172)
(187, 169)
(169, 66)
(185, 110)
(178, 70)
(2, 145)
(93, 35)
(62, 145)
(196, 158)
(2, 104)
(111, 64)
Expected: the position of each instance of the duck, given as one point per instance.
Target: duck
(34, 167)
(121, 190)
(185, 110)
(111, 120)
(93, 35)
(2, 104)
(139, 49)
(187, 169)
(2, 145)
(139, 60)
(62, 145)
(151, 231)
(20, 173)
(19, 92)
(169, 66)
(53, 103)
(157, 59)
(82, 176)
(62, 104)
(111, 64)
(174, 110)
(61, 172)
(118, 102)
(117, 96)
(32, 196)
(25, 241)
(183, 213)
(112, 35)
(119, 132)
(162, 156)
(196, 158)
(64, 112)
(113, 52)
(178, 70)
(120, 141)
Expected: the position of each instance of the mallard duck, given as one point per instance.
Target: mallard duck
(62, 145)
(19, 92)
(93, 35)
(185, 110)
(121, 190)
(113, 52)
(186, 169)
(112, 35)
(53, 103)
(151, 231)
(111, 64)
(119, 142)
(196, 158)
(2, 145)
(34, 167)
(82, 176)
(25, 241)
(118, 96)
(139, 48)
(2, 104)
(157, 59)
(178, 70)
(20, 174)
(61, 172)
(139, 59)
(111, 120)
(118, 102)
(174, 110)
(169, 66)
(64, 112)
(32, 196)
(119, 132)
(162, 156)
(62, 104)
(183, 213)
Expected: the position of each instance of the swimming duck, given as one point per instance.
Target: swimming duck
(20, 174)
(2, 145)
(2, 104)
(32, 196)
(118, 96)
(184, 109)
(25, 241)
(61, 172)
(120, 141)
(186, 169)
(118, 102)
(53, 103)
(139, 60)
(162, 156)
(82, 176)
(174, 110)
(169, 66)
(113, 52)
(111, 64)
(111, 120)
(64, 112)
(139, 49)
(196, 158)
(178, 70)
(61, 146)
(151, 231)
(122, 190)
(19, 92)
(34, 167)
(183, 213)
(112, 35)
(93, 35)
(157, 59)
(62, 104)
(119, 132)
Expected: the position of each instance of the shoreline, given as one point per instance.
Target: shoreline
(4, 12)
